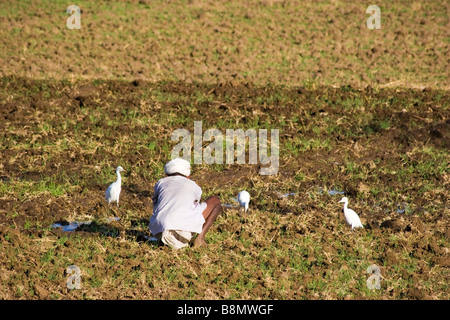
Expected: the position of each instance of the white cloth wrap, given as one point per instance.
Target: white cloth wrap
(176, 239)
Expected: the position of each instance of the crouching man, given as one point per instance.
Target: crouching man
(178, 214)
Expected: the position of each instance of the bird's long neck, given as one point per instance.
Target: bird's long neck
(345, 205)
(119, 178)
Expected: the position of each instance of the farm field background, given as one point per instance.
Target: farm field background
(360, 112)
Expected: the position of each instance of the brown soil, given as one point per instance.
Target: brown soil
(419, 232)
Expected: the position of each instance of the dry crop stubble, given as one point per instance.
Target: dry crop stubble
(289, 42)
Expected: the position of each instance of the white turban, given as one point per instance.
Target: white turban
(178, 165)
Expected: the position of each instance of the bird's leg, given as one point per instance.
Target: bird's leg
(109, 206)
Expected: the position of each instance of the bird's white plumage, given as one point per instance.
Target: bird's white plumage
(113, 192)
(350, 216)
(244, 199)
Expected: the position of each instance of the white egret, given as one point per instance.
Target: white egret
(244, 199)
(113, 191)
(350, 215)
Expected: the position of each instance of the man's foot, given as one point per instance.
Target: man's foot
(199, 242)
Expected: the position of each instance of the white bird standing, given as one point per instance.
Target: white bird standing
(113, 191)
(244, 199)
(350, 215)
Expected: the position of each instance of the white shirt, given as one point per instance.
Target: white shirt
(177, 206)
